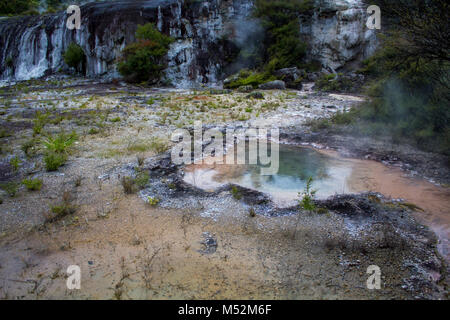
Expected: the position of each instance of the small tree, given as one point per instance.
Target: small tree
(74, 57)
(307, 200)
(307, 197)
(143, 60)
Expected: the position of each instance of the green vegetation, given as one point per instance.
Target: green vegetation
(54, 160)
(32, 184)
(152, 201)
(283, 44)
(334, 82)
(14, 163)
(61, 142)
(307, 197)
(143, 60)
(409, 79)
(39, 122)
(10, 188)
(18, 7)
(249, 78)
(56, 150)
(74, 57)
(236, 193)
(66, 207)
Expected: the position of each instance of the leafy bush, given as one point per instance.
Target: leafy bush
(32, 184)
(281, 21)
(143, 60)
(14, 163)
(16, 7)
(307, 197)
(54, 160)
(61, 142)
(74, 57)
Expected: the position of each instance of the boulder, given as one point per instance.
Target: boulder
(273, 85)
(292, 77)
(245, 89)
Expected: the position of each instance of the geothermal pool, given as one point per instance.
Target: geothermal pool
(332, 174)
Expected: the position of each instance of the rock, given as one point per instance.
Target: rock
(255, 95)
(245, 89)
(209, 242)
(292, 77)
(273, 85)
(219, 91)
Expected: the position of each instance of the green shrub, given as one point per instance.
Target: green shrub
(142, 179)
(144, 60)
(10, 188)
(39, 122)
(14, 163)
(236, 193)
(284, 47)
(32, 184)
(61, 142)
(17, 7)
(54, 160)
(29, 147)
(74, 56)
(307, 197)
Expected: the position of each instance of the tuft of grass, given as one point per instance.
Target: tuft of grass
(61, 142)
(54, 160)
(32, 184)
(158, 145)
(29, 147)
(152, 201)
(14, 163)
(236, 193)
(39, 122)
(10, 188)
(4, 133)
(66, 207)
(128, 184)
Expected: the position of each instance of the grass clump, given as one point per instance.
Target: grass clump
(153, 201)
(65, 208)
(39, 122)
(54, 160)
(32, 184)
(29, 147)
(236, 193)
(14, 163)
(158, 145)
(10, 188)
(61, 142)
